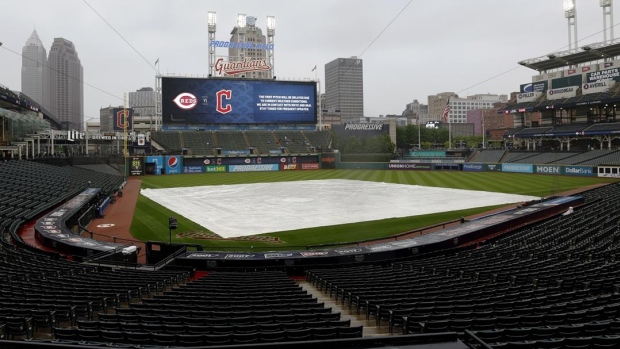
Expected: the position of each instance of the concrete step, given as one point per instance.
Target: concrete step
(370, 327)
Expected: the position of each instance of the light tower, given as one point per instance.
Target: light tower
(271, 32)
(570, 13)
(608, 14)
(211, 20)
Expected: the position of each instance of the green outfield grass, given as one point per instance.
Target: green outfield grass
(150, 221)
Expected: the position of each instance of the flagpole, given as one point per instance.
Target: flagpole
(449, 133)
(419, 133)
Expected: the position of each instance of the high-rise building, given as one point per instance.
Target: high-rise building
(34, 69)
(344, 87)
(65, 85)
(460, 106)
(143, 102)
(249, 33)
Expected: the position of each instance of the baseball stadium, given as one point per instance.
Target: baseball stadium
(247, 218)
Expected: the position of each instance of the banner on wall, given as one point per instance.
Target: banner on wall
(136, 166)
(518, 168)
(585, 171)
(473, 167)
(157, 161)
(253, 168)
(174, 164)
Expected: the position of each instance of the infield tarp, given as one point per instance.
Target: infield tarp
(250, 209)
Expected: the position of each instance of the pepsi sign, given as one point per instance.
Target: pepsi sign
(174, 164)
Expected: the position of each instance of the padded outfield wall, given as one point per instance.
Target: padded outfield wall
(179, 164)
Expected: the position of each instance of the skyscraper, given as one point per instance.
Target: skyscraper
(344, 87)
(143, 103)
(65, 97)
(252, 35)
(34, 69)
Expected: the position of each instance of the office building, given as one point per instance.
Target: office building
(249, 33)
(34, 69)
(460, 106)
(344, 87)
(65, 99)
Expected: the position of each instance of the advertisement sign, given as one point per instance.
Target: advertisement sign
(253, 168)
(136, 166)
(409, 166)
(193, 169)
(519, 168)
(528, 96)
(197, 101)
(549, 169)
(236, 152)
(473, 167)
(585, 171)
(574, 80)
(596, 87)
(174, 164)
(328, 160)
(216, 168)
(223, 68)
(493, 167)
(563, 92)
(534, 87)
(314, 166)
(122, 117)
(158, 161)
(606, 74)
(289, 167)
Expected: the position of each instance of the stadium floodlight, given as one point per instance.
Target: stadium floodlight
(608, 20)
(569, 8)
(241, 20)
(211, 18)
(271, 22)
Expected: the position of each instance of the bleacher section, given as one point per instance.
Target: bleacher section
(611, 158)
(169, 140)
(28, 189)
(546, 158)
(551, 281)
(230, 140)
(515, 156)
(318, 139)
(589, 156)
(264, 142)
(490, 156)
(198, 142)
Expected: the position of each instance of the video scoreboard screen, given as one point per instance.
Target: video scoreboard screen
(198, 101)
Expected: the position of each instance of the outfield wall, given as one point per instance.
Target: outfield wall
(179, 164)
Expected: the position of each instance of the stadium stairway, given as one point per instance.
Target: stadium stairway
(370, 327)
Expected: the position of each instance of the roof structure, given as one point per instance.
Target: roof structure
(588, 53)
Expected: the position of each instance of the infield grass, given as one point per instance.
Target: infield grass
(150, 220)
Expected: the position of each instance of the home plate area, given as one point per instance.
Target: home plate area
(241, 210)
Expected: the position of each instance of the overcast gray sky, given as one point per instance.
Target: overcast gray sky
(432, 47)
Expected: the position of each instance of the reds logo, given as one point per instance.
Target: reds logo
(222, 107)
(186, 101)
(122, 118)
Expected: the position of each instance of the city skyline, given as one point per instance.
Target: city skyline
(429, 48)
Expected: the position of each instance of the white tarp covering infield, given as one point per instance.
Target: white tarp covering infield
(250, 209)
